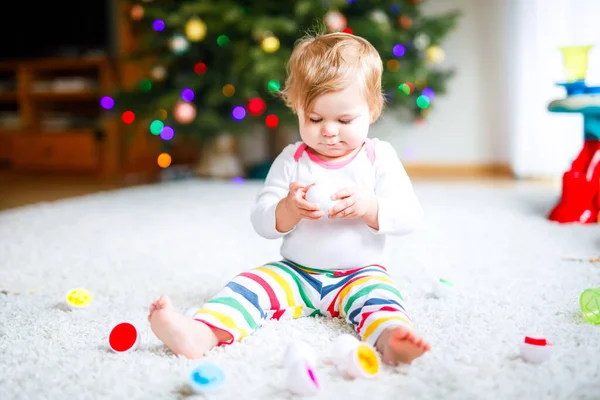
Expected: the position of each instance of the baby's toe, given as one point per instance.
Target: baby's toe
(402, 334)
(164, 302)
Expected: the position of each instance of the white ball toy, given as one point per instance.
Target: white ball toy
(535, 349)
(341, 347)
(302, 379)
(442, 288)
(299, 351)
(321, 194)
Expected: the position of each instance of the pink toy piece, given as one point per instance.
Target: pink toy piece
(302, 379)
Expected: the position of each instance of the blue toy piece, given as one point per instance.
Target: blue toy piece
(581, 99)
(206, 377)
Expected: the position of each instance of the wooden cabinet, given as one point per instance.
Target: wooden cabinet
(102, 145)
(75, 151)
(5, 148)
(59, 124)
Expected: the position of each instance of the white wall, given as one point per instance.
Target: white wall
(542, 143)
(507, 63)
(468, 124)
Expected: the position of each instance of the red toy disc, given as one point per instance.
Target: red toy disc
(122, 337)
(535, 341)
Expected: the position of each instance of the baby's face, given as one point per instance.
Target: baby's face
(338, 124)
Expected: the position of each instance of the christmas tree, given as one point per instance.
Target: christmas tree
(217, 65)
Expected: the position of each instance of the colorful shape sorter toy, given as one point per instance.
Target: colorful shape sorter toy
(580, 199)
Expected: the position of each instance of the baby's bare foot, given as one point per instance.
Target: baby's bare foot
(401, 345)
(153, 307)
(182, 335)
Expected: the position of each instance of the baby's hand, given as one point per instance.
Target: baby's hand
(353, 203)
(297, 204)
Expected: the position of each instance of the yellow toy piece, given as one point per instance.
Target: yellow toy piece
(368, 359)
(79, 298)
(575, 59)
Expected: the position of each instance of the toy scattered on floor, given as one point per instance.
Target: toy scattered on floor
(442, 288)
(123, 337)
(356, 359)
(78, 298)
(589, 301)
(535, 349)
(579, 201)
(302, 379)
(299, 351)
(321, 194)
(206, 377)
(300, 361)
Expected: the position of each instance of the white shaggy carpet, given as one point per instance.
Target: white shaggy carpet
(187, 238)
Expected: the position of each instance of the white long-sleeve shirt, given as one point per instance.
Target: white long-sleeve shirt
(339, 243)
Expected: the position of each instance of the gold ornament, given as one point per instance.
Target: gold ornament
(434, 54)
(270, 44)
(393, 65)
(228, 90)
(184, 112)
(195, 29)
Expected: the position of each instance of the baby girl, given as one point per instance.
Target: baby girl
(332, 259)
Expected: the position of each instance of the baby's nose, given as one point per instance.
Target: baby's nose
(329, 130)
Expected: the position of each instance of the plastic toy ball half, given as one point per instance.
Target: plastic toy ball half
(535, 349)
(206, 377)
(302, 379)
(443, 288)
(299, 351)
(589, 301)
(78, 298)
(362, 362)
(354, 358)
(342, 347)
(123, 338)
(321, 194)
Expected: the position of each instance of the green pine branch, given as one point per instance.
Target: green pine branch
(243, 63)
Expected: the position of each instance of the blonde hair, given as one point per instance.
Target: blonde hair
(327, 63)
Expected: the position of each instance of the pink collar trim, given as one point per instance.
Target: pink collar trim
(368, 145)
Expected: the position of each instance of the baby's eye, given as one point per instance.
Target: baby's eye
(345, 121)
(314, 120)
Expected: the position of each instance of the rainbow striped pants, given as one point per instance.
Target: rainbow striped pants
(365, 297)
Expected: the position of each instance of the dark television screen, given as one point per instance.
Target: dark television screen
(55, 28)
